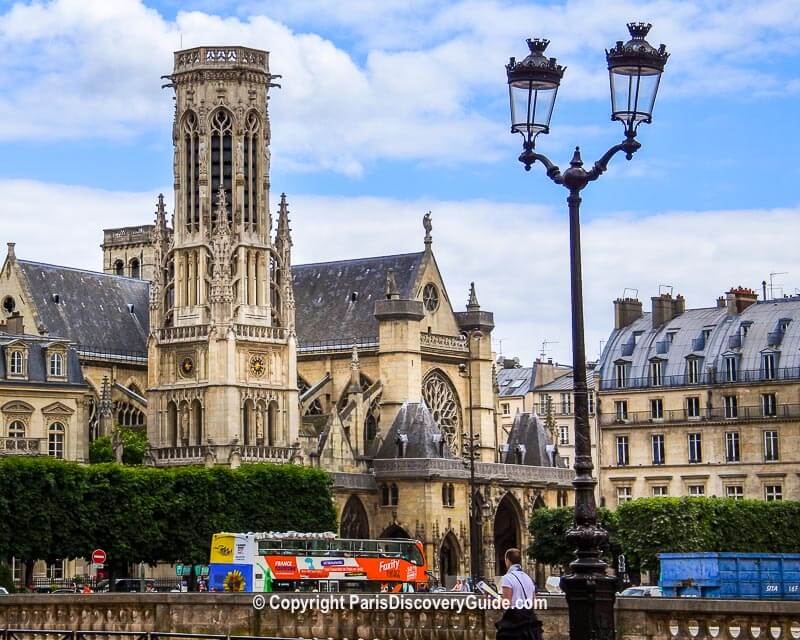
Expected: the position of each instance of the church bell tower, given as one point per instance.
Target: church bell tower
(222, 347)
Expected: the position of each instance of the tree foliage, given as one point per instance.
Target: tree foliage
(56, 509)
(134, 443)
(641, 529)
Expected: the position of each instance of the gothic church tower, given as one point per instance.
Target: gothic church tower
(222, 347)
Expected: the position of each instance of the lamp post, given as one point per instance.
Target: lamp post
(635, 69)
(465, 371)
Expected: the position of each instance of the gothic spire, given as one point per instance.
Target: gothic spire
(161, 212)
(284, 232)
(472, 303)
(355, 372)
(391, 286)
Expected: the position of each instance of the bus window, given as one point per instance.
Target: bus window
(370, 546)
(391, 548)
(413, 555)
(319, 547)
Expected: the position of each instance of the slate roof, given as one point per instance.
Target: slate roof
(529, 431)
(565, 383)
(414, 421)
(325, 309)
(760, 320)
(37, 361)
(92, 310)
(516, 381)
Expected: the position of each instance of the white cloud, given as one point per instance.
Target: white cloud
(517, 254)
(417, 80)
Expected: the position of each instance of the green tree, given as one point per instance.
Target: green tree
(548, 528)
(134, 443)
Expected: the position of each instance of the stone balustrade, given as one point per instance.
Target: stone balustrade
(455, 468)
(188, 333)
(234, 614)
(199, 57)
(221, 453)
(440, 342)
(23, 446)
(260, 333)
(127, 235)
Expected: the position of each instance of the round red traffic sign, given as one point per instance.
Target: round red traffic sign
(98, 556)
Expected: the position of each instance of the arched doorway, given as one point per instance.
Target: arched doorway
(449, 560)
(354, 522)
(395, 531)
(506, 530)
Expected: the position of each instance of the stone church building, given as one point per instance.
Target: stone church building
(202, 331)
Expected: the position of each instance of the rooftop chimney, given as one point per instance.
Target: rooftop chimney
(665, 308)
(14, 324)
(739, 298)
(626, 311)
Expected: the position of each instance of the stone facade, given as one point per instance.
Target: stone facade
(234, 615)
(701, 401)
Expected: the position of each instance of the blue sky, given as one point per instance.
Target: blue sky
(392, 108)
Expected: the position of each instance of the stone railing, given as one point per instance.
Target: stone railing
(266, 453)
(190, 59)
(183, 334)
(127, 235)
(234, 614)
(354, 481)
(23, 446)
(220, 453)
(450, 468)
(440, 342)
(260, 333)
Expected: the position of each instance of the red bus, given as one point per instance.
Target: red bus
(292, 561)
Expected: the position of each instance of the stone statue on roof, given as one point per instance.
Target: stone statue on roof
(427, 224)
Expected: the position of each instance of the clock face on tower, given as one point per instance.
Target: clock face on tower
(187, 366)
(257, 367)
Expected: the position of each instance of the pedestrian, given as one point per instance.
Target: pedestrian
(519, 621)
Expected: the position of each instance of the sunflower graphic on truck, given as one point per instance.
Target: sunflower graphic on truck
(291, 561)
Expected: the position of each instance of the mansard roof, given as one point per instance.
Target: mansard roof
(745, 335)
(516, 381)
(37, 361)
(328, 310)
(89, 308)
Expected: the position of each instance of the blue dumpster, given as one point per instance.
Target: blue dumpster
(754, 576)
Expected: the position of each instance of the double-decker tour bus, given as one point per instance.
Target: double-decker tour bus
(291, 561)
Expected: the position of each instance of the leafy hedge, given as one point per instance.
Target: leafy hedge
(56, 509)
(643, 528)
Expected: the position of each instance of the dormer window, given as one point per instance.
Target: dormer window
(56, 367)
(693, 370)
(783, 325)
(768, 366)
(16, 365)
(744, 328)
(621, 374)
(656, 373)
(731, 369)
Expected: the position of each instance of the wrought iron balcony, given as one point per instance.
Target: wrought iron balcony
(703, 378)
(676, 416)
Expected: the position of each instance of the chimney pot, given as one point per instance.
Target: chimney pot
(626, 311)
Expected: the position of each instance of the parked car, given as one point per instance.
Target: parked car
(126, 585)
(3, 591)
(643, 591)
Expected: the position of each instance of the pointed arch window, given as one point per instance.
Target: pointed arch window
(442, 401)
(136, 270)
(221, 158)
(252, 128)
(191, 177)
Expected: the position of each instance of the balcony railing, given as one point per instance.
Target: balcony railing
(183, 334)
(325, 346)
(440, 342)
(197, 454)
(261, 333)
(189, 59)
(753, 412)
(706, 377)
(23, 446)
(458, 468)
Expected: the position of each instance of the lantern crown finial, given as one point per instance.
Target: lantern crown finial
(537, 45)
(639, 30)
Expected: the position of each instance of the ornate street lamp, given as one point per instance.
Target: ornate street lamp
(635, 70)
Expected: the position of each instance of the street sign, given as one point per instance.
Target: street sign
(99, 556)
